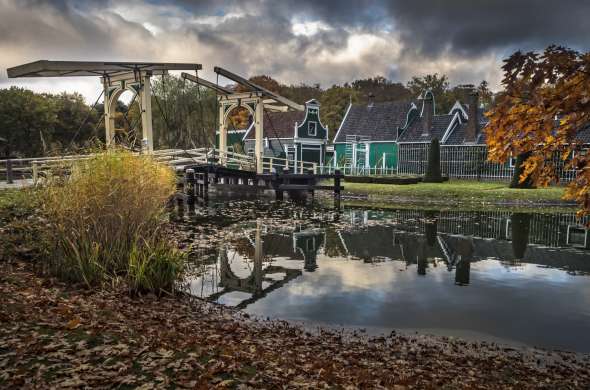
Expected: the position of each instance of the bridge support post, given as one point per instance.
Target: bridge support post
(147, 142)
(276, 183)
(109, 116)
(337, 188)
(259, 135)
(179, 197)
(190, 186)
(222, 137)
(205, 186)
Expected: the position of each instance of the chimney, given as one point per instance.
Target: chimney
(427, 112)
(472, 130)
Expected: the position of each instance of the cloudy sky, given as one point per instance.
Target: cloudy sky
(311, 41)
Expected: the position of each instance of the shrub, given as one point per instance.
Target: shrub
(104, 213)
(433, 174)
(154, 267)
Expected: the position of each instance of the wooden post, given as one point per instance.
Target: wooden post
(222, 136)
(190, 186)
(35, 172)
(337, 177)
(259, 134)
(109, 116)
(206, 186)
(147, 143)
(9, 178)
(276, 183)
(179, 196)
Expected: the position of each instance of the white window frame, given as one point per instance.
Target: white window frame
(512, 161)
(315, 128)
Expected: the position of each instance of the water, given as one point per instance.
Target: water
(510, 277)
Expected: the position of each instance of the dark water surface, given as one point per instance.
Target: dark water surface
(512, 277)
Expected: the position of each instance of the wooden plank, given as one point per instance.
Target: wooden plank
(206, 83)
(256, 87)
(46, 68)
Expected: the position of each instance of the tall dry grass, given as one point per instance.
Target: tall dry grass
(106, 217)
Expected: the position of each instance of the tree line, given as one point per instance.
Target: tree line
(184, 114)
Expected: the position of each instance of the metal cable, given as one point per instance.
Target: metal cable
(86, 118)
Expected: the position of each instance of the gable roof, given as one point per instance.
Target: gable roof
(278, 124)
(377, 121)
(415, 133)
(457, 134)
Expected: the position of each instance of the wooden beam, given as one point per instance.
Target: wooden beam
(130, 76)
(274, 108)
(234, 97)
(256, 87)
(206, 83)
(46, 68)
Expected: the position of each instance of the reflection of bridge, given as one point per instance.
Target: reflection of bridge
(253, 284)
(305, 242)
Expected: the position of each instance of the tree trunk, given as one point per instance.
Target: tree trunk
(518, 171)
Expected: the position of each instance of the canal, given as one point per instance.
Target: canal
(511, 277)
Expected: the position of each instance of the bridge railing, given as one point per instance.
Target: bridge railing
(277, 164)
(350, 170)
(34, 167)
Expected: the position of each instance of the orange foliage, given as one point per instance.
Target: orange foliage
(545, 104)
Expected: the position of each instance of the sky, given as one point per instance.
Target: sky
(294, 41)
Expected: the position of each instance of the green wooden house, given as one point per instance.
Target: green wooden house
(369, 133)
(300, 135)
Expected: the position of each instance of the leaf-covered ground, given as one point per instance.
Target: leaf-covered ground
(52, 335)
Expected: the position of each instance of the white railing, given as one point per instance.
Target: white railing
(463, 162)
(277, 164)
(350, 170)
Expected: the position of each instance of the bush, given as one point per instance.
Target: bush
(433, 174)
(154, 267)
(107, 214)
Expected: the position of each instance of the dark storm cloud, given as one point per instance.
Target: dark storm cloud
(471, 28)
(433, 27)
(335, 40)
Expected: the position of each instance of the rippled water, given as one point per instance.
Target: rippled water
(512, 277)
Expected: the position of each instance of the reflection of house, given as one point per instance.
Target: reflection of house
(412, 248)
(308, 243)
(298, 134)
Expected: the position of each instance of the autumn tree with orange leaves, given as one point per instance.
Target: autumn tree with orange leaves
(546, 103)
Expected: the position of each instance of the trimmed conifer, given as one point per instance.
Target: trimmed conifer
(433, 174)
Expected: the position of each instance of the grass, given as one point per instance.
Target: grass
(457, 191)
(105, 223)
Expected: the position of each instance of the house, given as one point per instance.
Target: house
(300, 135)
(462, 125)
(368, 134)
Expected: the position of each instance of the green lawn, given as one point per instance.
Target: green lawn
(456, 191)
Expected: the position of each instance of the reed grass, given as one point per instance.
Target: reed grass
(105, 221)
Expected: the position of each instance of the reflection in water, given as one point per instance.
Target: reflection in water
(520, 223)
(361, 272)
(462, 272)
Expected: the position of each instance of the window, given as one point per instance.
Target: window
(512, 162)
(312, 128)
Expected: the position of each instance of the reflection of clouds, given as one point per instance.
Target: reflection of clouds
(241, 266)
(494, 270)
